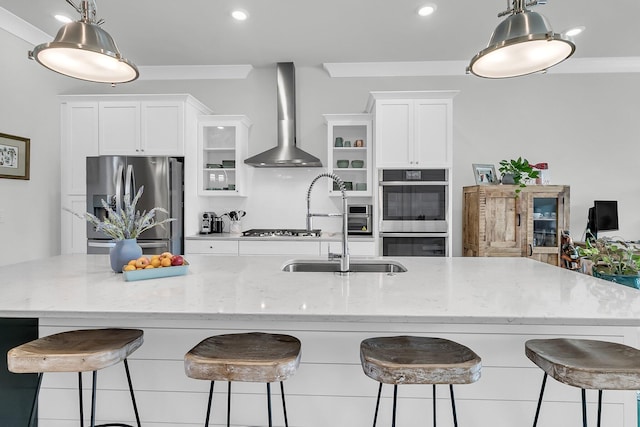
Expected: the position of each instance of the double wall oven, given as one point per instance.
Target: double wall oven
(414, 212)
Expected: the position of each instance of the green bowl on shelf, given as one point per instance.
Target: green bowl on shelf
(343, 163)
(228, 163)
(357, 163)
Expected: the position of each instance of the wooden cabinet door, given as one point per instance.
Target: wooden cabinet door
(500, 234)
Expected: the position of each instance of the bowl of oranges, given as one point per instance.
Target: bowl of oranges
(154, 266)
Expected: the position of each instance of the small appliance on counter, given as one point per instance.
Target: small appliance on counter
(206, 223)
(211, 223)
(359, 220)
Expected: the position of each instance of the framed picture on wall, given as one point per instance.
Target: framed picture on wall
(484, 174)
(14, 157)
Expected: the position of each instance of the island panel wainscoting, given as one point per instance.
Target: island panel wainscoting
(492, 305)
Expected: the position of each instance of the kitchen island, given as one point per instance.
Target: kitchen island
(492, 305)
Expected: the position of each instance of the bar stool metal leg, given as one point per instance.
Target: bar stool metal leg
(544, 382)
(133, 397)
(395, 401)
(80, 399)
(228, 404)
(584, 408)
(34, 405)
(206, 421)
(269, 403)
(284, 405)
(434, 405)
(599, 406)
(375, 415)
(453, 406)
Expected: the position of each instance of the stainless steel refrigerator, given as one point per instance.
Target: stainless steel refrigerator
(109, 178)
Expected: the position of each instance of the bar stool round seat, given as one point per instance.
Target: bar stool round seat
(585, 364)
(418, 360)
(77, 351)
(244, 357)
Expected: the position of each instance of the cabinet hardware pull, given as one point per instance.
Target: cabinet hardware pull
(530, 249)
(518, 215)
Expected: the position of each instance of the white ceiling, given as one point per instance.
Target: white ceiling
(310, 33)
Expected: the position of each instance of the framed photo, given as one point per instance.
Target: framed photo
(14, 157)
(484, 174)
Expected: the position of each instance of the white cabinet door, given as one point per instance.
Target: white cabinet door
(211, 247)
(162, 128)
(73, 230)
(284, 247)
(120, 128)
(394, 133)
(432, 139)
(79, 138)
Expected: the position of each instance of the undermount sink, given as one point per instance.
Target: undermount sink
(355, 266)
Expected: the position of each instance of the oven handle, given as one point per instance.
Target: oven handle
(412, 183)
(414, 234)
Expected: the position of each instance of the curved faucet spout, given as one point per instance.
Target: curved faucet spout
(344, 257)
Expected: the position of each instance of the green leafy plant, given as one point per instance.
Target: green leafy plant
(125, 222)
(610, 256)
(521, 171)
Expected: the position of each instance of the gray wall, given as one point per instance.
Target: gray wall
(584, 126)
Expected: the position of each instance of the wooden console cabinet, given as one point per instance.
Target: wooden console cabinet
(496, 223)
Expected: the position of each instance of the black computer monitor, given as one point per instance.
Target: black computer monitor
(603, 216)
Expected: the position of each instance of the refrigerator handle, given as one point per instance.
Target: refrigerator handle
(119, 179)
(130, 183)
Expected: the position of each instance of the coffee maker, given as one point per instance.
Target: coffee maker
(211, 223)
(207, 222)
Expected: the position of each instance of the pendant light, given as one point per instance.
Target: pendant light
(83, 50)
(523, 43)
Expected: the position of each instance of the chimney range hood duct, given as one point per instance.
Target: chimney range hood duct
(285, 154)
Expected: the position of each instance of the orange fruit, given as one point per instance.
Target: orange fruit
(165, 262)
(129, 267)
(142, 262)
(132, 262)
(149, 266)
(155, 262)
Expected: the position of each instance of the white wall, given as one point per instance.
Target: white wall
(30, 227)
(584, 126)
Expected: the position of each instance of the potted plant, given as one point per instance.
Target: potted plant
(124, 225)
(517, 172)
(613, 260)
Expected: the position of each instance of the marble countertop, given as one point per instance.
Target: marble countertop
(434, 290)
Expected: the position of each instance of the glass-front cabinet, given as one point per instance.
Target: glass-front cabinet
(349, 155)
(547, 213)
(222, 142)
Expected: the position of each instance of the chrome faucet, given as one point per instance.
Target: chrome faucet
(344, 257)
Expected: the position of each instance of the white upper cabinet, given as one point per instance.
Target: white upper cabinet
(142, 128)
(349, 155)
(412, 129)
(222, 147)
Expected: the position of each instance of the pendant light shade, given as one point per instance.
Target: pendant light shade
(85, 51)
(522, 44)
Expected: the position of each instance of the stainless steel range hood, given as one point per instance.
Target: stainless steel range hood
(285, 154)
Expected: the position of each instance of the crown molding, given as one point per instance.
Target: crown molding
(458, 68)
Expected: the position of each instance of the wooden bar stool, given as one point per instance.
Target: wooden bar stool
(587, 364)
(245, 357)
(77, 351)
(418, 360)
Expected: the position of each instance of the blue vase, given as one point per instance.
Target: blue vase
(123, 252)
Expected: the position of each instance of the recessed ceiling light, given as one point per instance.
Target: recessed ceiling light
(427, 9)
(240, 15)
(62, 18)
(574, 31)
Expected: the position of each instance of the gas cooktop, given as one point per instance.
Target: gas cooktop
(279, 232)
